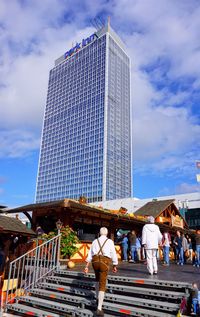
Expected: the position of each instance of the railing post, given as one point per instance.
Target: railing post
(59, 226)
(58, 254)
(1, 297)
(35, 267)
(8, 283)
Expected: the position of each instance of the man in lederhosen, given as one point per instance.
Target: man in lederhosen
(101, 254)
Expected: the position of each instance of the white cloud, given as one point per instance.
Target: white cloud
(17, 143)
(187, 188)
(169, 31)
(23, 94)
(165, 139)
(162, 45)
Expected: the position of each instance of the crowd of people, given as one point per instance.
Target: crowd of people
(181, 248)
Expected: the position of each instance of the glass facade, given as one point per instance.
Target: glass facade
(118, 175)
(85, 148)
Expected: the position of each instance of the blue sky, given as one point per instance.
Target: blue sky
(162, 38)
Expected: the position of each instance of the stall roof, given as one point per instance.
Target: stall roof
(70, 205)
(154, 208)
(64, 203)
(15, 226)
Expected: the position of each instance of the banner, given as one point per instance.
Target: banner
(177, 221)
(198, 177)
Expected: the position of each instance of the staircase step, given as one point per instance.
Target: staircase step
(152, 304)
(146, 291)
(131, 280)
(63, 297)
(65, 280)
(67, 289)
(142, 302)
(31, 311)
(119, 288)
(133, 311)
(55, 306)
(108, 307)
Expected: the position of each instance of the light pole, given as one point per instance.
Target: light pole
(58, 226)
(183, 207)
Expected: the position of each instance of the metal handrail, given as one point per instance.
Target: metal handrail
(27, 270)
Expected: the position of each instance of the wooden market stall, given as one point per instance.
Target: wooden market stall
(87, 219)
(15, 240)
(84, 218)
(164, 212)
(167, 216)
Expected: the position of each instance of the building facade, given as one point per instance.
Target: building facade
(86, 138)
(192, 216)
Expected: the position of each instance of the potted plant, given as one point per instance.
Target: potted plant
(68, 241)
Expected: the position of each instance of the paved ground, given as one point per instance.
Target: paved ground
(174, 272)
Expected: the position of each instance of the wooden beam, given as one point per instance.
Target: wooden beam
(29, 217)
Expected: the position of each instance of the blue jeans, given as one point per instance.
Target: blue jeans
(125, 251)
(195, 305)
(176, 253)
(198, 254)
(133, 252)
(166, 254)
(180, 256)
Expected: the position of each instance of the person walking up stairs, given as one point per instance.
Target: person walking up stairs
(101, 254)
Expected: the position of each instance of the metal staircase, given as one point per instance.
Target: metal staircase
(67, 293)
(38, 287)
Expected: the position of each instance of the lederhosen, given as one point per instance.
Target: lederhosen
(101, 265)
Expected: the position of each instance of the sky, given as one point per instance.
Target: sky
(162, 39)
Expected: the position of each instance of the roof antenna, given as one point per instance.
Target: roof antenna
(94, 24)
(101, 23)
(108, 23)
(98, 23)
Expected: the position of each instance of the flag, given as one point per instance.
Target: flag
(198, 178)
(197, 164)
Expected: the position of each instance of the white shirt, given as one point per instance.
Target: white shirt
(166, 240)
(151, 236)
(108, 249)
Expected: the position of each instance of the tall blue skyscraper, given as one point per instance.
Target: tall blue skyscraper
(86, 138)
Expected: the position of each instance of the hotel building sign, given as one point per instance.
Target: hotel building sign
(80, 45)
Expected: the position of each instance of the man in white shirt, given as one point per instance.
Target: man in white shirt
(101, 254)
(151, 237)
